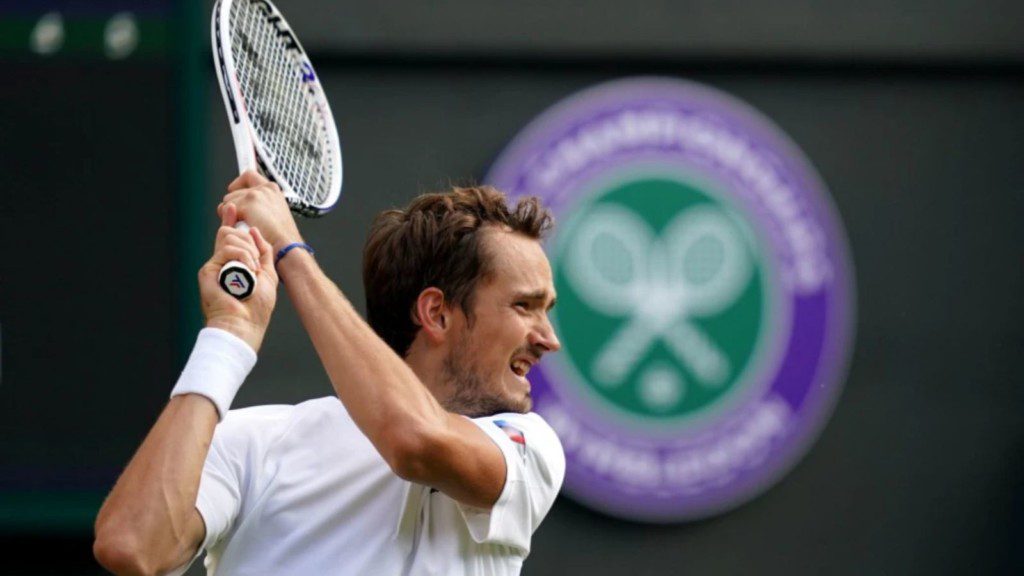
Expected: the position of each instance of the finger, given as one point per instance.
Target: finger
(247, 179)
(240, 239)
(229, 253)
(248, 199)
(231, 236)
(262, 187)
(234, 197)
(236, 240)
(239, 199)
(222, 234)
(228, 214)
(266, 250)
(236, 184)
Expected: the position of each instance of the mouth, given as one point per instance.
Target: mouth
(520, 367)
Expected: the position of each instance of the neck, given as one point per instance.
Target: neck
(429, 368)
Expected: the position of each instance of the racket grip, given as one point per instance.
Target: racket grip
(235, 277)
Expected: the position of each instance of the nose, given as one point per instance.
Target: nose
(544, 336)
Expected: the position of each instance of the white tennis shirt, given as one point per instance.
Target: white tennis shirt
(300, 490)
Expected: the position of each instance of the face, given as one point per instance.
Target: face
(490, 358)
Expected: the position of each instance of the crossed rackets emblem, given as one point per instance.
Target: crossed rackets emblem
(658, 284)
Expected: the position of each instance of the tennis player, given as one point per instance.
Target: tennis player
(428, 460)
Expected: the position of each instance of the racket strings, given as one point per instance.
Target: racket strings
(283, 113)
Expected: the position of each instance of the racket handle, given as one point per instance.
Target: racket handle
(235, 277)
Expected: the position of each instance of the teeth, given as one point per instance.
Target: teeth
(520, 367)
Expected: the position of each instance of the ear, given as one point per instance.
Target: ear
(432, 315)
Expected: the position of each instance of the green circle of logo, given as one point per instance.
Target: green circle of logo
(662, 298)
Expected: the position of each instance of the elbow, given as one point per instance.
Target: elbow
(118, 554)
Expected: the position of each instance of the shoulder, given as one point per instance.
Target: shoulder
(512, 422)
(529, 433)
(254, 419)
(270, 414)
(535, 470)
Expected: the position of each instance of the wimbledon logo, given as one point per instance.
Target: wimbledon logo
(705, 300)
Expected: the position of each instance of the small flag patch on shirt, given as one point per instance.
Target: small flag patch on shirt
(514, 434)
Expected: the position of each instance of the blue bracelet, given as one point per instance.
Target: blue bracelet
(283, 251)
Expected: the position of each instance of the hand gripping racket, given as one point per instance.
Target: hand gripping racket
(280, 120)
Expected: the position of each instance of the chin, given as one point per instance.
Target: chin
(527, 404)
(476, 394)
(521, 402)
(475, 405)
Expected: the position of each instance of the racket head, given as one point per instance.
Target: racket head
(281, 121)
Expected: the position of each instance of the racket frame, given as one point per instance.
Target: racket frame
(235, 277)
(250, 152)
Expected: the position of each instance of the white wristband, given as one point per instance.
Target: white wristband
(219, 363)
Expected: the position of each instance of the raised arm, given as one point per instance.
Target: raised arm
(416, 436)
(149, 523)
(420, 440)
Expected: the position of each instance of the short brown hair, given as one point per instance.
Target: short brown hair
(436, 242)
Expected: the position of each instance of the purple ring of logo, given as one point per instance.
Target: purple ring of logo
(802, 387)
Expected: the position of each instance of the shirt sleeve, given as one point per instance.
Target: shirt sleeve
(535, 469)
(237, 451)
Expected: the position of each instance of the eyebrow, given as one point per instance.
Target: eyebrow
(537, 295)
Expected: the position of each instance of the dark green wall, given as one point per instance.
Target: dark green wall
(913, 113)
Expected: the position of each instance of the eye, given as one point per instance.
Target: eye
(521, 306)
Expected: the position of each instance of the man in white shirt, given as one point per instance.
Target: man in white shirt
(428, 461)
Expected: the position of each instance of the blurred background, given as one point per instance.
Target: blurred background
(115, 150)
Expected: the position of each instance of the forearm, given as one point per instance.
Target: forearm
(148, 515)
(149, 523)
(377, 387)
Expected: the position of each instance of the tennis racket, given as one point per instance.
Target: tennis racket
(280, 120)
